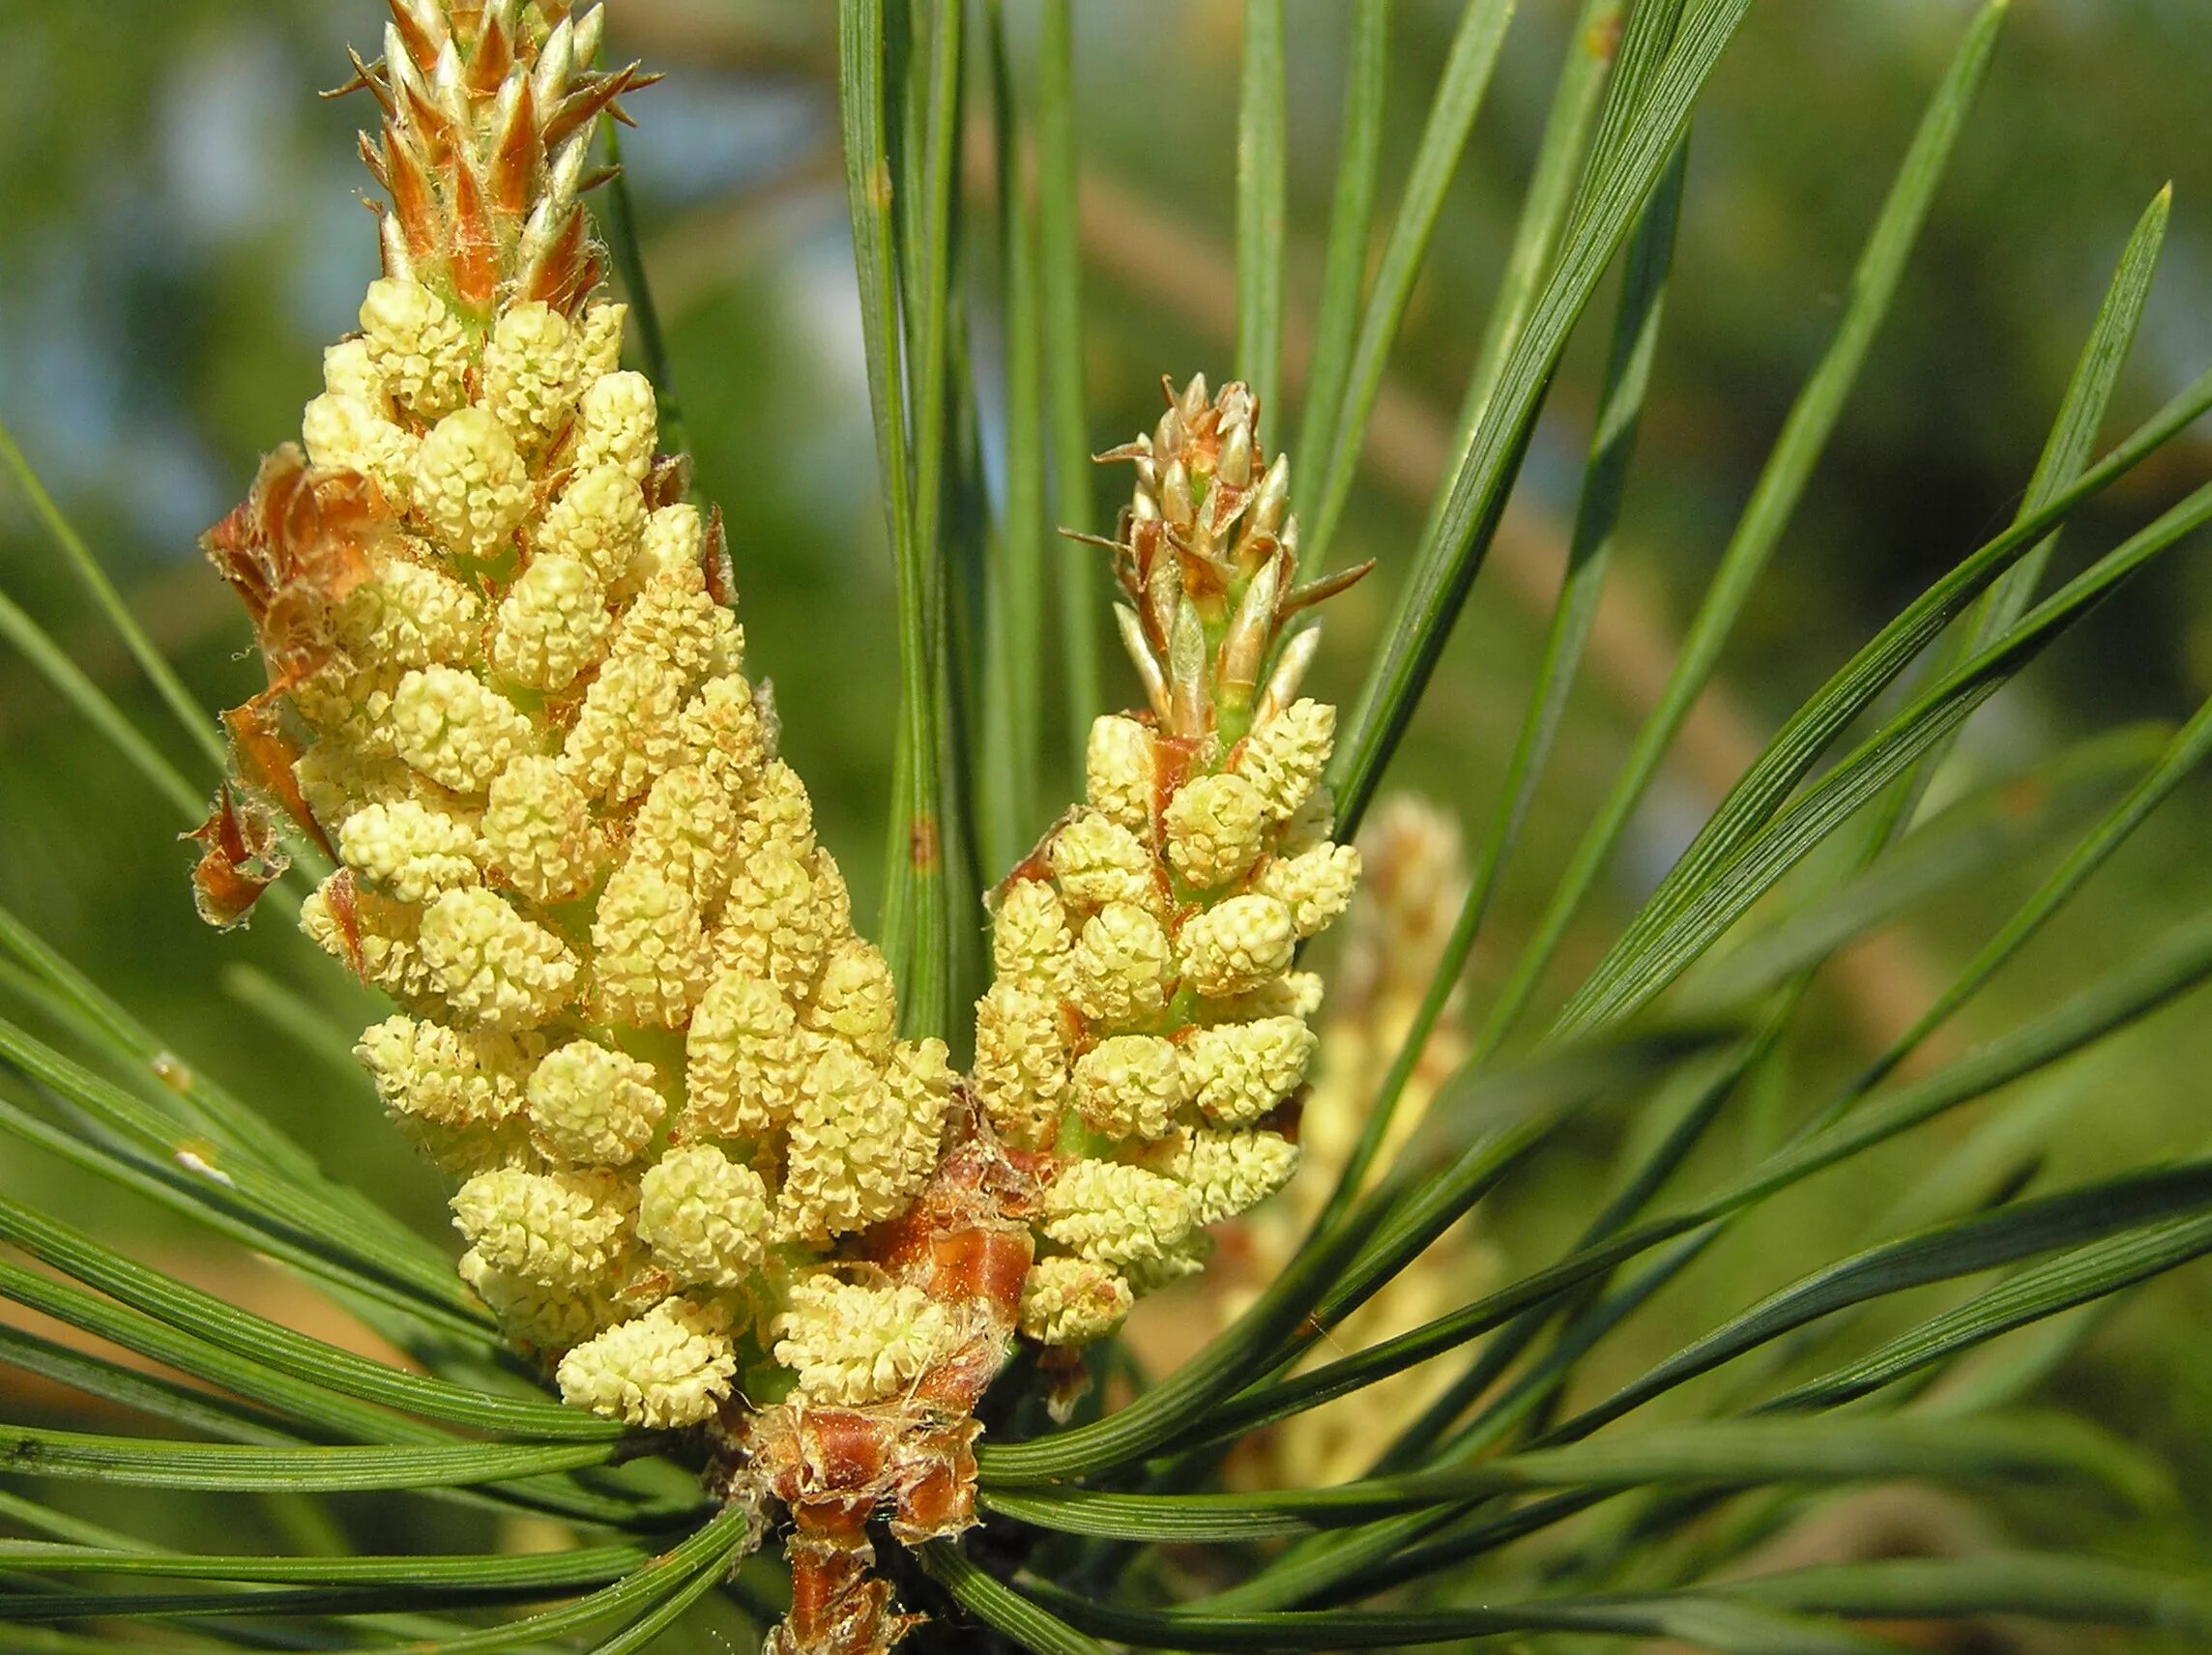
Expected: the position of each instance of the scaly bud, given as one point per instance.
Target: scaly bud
(475, 103)
(1129, 1087)
(852, 1344)
(670, 1367)
(1237, 1072)
(590, 1106)
(1112, 1213)
(1072, 1301)
(1207, 558)
(704, 1216)
(1234, 947)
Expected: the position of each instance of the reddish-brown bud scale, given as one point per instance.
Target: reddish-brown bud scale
(581, 109)
(519, 154)
(980, 1264)
(372, 158)
(942, 1501)
(493, 57)
(421, 47)
(900, 1243)
(404, 180)
(844, 1452)
(475, 261)
(428, 126)
(714, 554)
(567, 271)
(1175, 759)
(293, 551)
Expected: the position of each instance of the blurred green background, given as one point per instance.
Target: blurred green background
(183, 235)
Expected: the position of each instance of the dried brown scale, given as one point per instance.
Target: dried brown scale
(242, 854)
(295, 548)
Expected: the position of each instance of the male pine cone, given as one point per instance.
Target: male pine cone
(1145, 1034)
(506, 694)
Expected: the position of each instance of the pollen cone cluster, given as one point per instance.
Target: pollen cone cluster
(1145, 1034)
(699, 1173)
(506, 696)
